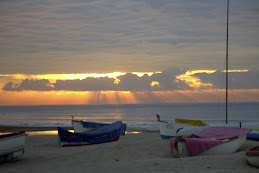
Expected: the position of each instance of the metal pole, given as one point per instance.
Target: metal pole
(227, 66)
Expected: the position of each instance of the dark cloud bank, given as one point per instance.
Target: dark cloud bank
(132, 82)
(237, 80)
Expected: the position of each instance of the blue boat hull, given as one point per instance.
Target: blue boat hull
(253, 136)
(98, 125)
(99, 135)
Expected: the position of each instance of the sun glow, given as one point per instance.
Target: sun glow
(155, 83)
(192, 81)
(140, 74)
(235, 71)
(63, 97)
(54, 77)
(120, 97)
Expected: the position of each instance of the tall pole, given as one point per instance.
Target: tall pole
(227, 66)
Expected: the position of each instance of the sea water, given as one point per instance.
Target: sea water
(136, 116)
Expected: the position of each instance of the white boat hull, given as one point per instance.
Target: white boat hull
(170, 130)
(78, 126)
(12, 143)
(181, 150)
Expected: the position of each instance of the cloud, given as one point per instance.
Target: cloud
(236, 80)
(88, 84)
(165, 81)
(88, 34)
(128, 82)
(27, 84)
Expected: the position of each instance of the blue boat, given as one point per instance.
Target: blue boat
(107, 133)
(82, 126)
(254, 134)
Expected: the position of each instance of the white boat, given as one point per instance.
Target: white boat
(11, 144)
(171, 130)
(210, 141)
(252, 156)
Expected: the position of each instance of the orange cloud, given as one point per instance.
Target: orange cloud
(193, 81)
(51, 97)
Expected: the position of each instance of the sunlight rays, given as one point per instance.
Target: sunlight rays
(30, 97)
(122, 97)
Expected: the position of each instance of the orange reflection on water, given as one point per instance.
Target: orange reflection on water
(50, 132)
(134, 132)
(55, 132)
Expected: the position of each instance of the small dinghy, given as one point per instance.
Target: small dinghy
(252, 155)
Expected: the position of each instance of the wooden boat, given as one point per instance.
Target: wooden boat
(102, 134)
(82, 126)
(252, 155)
(209, 141)
(11, 144)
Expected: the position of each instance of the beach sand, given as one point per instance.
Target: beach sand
(134, 153)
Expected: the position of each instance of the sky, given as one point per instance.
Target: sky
(127, 51)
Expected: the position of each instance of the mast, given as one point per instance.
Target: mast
(227, 66)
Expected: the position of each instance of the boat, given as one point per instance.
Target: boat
(209, 141)
(12, 145)
(252, 155)
(107, 133)
(170, 130)
(82, 126)
(254, 134)
(185, 127)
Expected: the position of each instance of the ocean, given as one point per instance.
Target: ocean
(136, 116)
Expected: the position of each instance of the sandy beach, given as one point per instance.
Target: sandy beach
(143, 152)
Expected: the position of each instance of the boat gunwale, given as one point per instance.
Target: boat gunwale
(5, 136)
